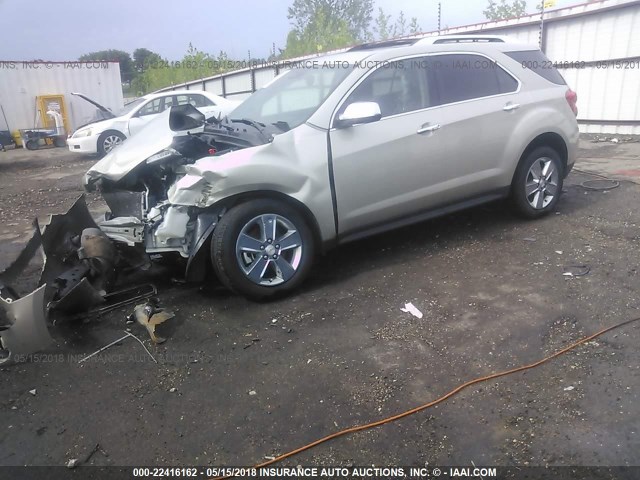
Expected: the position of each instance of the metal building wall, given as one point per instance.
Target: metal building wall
(596, 33)
(600, 37)
(21, 82)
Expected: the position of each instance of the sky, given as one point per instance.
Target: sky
(63, 30)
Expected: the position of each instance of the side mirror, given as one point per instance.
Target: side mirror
(357, 113)
(185, 117)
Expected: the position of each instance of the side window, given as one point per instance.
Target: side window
(168, 102)
(461, 77)
(198, 100)
(182, 99)
(536, 61)
(397, 87)
(507, 83)
(151, 107)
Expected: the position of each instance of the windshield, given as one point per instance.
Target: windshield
(128, 107)
(290, 100)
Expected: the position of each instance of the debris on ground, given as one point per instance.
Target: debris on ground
(81, 266)
(33, 392)
(149, 315)
(115, 342)
(27, 331)
(410, 308)
(74, 462)
(576, 270)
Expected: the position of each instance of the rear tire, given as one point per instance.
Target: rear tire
(262, 249)
(537, 183)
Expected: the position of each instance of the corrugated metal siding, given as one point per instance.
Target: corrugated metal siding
(264, 76)
(238, 83)
(593, 31)
(20, 85)
(607, 35)
(214, 86)
(526, 34)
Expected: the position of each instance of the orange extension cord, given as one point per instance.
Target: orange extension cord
(359, 428)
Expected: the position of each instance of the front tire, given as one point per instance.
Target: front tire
(108, 141)
(537, 183)
(262, 249)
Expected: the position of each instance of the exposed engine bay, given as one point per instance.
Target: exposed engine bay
(155, 205)
(159, 202)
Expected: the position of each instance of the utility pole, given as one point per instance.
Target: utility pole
(540, 33)
(439, 15)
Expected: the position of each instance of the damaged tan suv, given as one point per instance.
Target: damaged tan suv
(338, 148)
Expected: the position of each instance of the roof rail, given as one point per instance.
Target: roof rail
(400, 42)
(464, 39)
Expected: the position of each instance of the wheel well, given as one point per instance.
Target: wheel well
(231, 202)
(112, 130)
(552, 140)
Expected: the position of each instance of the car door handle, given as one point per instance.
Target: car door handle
(429, 128)
(510, 106)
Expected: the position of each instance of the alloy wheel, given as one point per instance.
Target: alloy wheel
(269, 249)
(111, 142)
(541, 183)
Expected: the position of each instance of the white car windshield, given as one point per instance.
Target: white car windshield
(291, 100)
(129, 107)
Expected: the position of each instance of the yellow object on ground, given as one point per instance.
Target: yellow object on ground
(17, 138)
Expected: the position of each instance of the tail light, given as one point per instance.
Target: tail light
(572, 100)
(212, 151)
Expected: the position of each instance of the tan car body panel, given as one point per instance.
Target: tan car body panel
(294, 164)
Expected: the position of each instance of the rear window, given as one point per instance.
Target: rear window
(537, 62)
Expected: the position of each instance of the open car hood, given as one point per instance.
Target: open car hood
(153, 138)
(106, 113)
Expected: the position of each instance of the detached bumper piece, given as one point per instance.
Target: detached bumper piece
(79, 270)
(27, 332)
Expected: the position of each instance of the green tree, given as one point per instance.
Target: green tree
(502, 9)
(401, 25)
(414, 27)
(354, 15)
(322, 32)
(143, 57)
(127, 70)
(195, 64)
(382, 28)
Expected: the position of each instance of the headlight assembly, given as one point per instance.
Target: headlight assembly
(82, 133)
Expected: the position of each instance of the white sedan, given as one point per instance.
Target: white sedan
(102, 136)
